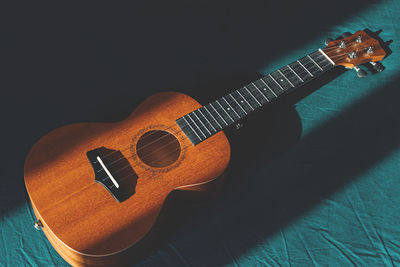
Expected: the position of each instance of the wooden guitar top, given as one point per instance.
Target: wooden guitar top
(80, 215)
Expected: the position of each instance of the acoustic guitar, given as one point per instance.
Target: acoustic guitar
(97, 189)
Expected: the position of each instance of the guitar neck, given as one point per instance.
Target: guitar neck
(222, 113)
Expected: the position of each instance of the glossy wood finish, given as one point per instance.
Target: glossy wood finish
(85, 224)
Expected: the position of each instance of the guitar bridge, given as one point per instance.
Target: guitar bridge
(113, 171)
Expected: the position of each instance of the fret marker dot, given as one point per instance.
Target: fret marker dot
(241, 101)
(228, 108)
(281, 80)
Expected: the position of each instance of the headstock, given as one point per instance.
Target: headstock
(356, 49)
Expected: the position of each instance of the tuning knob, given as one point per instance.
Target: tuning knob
(328, 40)
(345, 34)
(360, 72)
(377, 66)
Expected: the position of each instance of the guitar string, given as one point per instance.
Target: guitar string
(164, 156)
(347, 54)
(172, 126)
(156, 141)
(213, 120)
(325, 51)
(159, 148)
(111, 153)
(147, 171)
(167, 154)
(165, 135)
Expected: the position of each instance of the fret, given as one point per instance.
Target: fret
(196, 126)
(247, 89)
(235, 105)
(274, 86)
(278, 78)
(211, 118)
(321, 60)
(305, 68)
(327, 58)
(280, 72)
(230, 109)
(315, 62)
(242, 101)
(213, 111)
(314, 69)
(263, 87)
(202, 123)
(257, 93)
(301, 71)
(280, 86)
(188, 130)
(206, 121)
(228, 118)
(326, 65)
(294, 79)
(259, 90)
(292, 70)
(249, 100)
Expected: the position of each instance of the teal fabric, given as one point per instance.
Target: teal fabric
(332, 198)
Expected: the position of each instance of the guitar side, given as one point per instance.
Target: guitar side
(81, 219)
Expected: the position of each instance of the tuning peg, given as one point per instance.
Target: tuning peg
(360, 72)
(328, 40)
(377, 66)
(344, 35)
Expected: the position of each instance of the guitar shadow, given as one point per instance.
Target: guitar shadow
(264, 189)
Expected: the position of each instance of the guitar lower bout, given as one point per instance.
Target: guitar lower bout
(92, 209)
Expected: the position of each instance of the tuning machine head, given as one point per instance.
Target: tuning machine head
(378, 67)
(342, 43)
(344, 35)
(327, 41)
(374, 67)
(360, 72)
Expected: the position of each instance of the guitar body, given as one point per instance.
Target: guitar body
(80, 217)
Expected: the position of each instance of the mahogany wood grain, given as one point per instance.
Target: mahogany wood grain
(84, 223)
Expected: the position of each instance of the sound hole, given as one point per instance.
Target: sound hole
(158, 148)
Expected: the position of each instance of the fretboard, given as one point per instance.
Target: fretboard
(228, 110)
